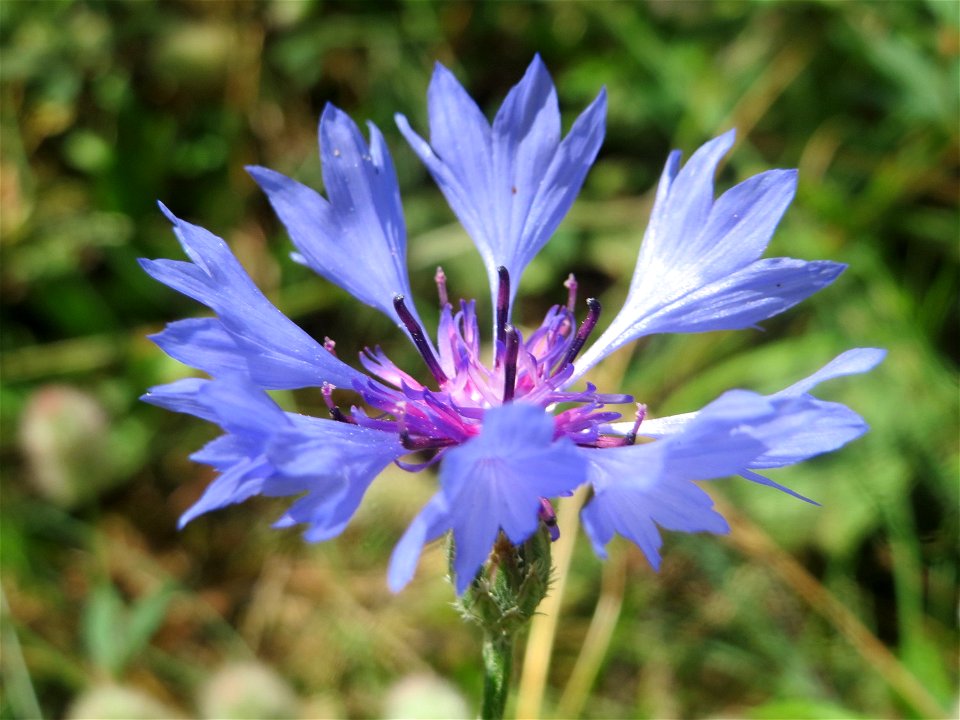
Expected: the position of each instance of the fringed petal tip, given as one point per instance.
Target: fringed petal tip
(512, 182)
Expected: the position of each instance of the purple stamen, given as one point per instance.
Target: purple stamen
(424, 443)
(510, 363)
(417, 467)
(441, 280)
(571, 285)
(548, 517)
(609, 441)
(503, 305)
(419, 339)
(419, 443)
(641, 414)
(327, 391)
(330, 346)
(586, 327)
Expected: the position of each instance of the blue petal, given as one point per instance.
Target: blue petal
(511, 185)
(182, 396)
(564, 177)
(698, 268)
(459, 156)
(318, 508)
(761, 480)
(202, 343)
(278, 354)
(242, 408)
(250, 418)
(851, 362)
(235, 404)
(330, 504)
(802, 426)
(242, 480)
(357, 240)
(269, 452)
(432, 522)
(761, 290)
(638, 487)
(806, 427)
(339, 461)
(245, 470)
(683, 202)
(803, 429)
(494, 482)
(221, 452)
(526, 133)
(315, 447)
(741, 223)
(635, 515)
(722, 434)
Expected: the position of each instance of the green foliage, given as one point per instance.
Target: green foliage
(116, 634)
(107, 107)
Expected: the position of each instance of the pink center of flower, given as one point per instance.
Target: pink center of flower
(532, 370)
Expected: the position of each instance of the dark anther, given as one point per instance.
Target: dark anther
(419, 339)
(503, 306)
(510, 363)
(414, 444)
(586, 327)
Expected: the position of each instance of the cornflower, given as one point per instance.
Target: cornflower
(508, 426)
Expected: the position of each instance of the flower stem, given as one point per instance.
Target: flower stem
(497, 666)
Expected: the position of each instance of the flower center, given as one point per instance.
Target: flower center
(533, 370)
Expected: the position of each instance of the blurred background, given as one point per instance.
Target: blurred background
(847, 610)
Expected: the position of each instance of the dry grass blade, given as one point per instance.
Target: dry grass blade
(753, 542)
(597, 641)
(543, 629)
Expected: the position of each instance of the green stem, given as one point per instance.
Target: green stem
(497, 664)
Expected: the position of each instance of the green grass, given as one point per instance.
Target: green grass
(848, 610)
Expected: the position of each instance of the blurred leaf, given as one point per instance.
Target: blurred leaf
(116, 634)
(802, 708)
(104, 626)
(925, 659)
(144, 619)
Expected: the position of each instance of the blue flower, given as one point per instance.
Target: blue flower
(508, 431)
